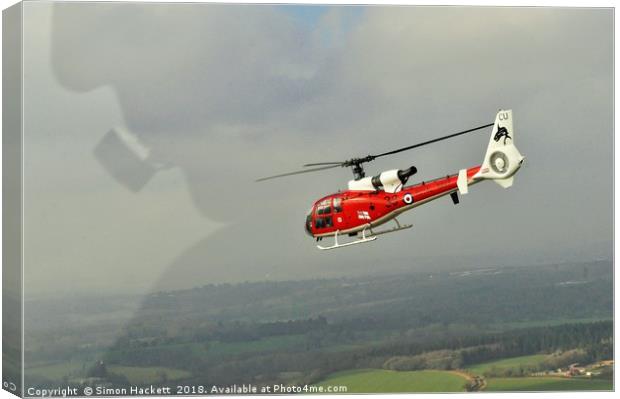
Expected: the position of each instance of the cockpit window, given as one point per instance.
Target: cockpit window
(322, 223)
(324, 207)
(337, 205)
(323, 214)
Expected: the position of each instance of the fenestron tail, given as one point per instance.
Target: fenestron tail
(502, 159)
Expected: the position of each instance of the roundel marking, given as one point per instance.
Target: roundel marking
(499, 162)
(408, 198)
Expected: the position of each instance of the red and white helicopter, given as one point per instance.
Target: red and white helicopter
(372, 201)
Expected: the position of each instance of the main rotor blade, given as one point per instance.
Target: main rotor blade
(298, 172)
(322, 163)
(356, 162)
(432, 141)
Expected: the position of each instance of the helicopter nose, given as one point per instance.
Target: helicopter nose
(308, 225)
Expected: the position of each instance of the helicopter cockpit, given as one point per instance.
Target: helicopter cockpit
(321, 214)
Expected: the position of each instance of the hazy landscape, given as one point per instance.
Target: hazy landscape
(495, 329)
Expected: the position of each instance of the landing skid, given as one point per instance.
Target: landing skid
(397, 228)
(371, 237)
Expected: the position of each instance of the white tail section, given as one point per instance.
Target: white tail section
(502, 159)
(505, 182)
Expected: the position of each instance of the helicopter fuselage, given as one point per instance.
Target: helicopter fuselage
(352, 211)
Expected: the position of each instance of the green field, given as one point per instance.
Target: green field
(135, 375)
(57, 371)
(548, 384)
(148, 375)
(511, 362)
(377, 381)
(260, 345)
(214, 349)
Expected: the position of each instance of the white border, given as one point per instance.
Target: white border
(593, 3)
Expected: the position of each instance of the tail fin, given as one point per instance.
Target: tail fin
(502, 159)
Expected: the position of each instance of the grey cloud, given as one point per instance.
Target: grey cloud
(230, 93)
(183, 66)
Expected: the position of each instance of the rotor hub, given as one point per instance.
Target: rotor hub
(358, 172)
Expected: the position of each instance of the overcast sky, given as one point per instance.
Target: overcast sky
(227, 94)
